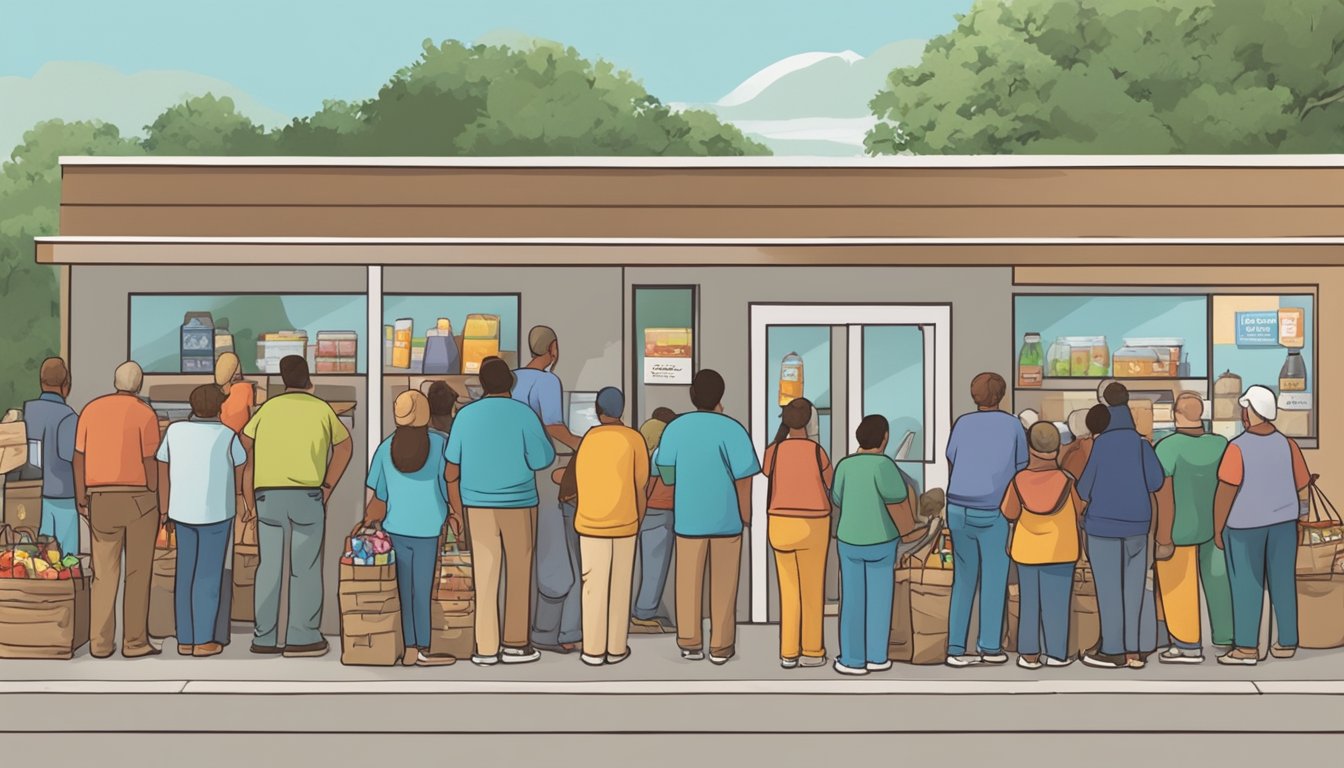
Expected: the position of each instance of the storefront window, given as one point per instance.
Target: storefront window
(893, 386)
(800, 358)
(184, 333)
(1268, 340)
(449, 334)
(664, 322)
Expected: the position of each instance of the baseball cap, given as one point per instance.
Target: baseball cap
(611, 401)
(1261, 400)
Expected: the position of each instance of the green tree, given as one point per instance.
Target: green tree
(206, 125)
(1122, 77)
(29, 201)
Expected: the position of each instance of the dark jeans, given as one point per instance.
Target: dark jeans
(655, 557)
(1258, 558)
(558, 617)
(201, 550)
(299, 515)
(417, 562)
(1128, 612)
(1043, 610)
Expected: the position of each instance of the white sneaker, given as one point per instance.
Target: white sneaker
(719, 661)
(856, 671)
(962, 661)
(593, 661)
(883, 667)
(614, 658)
(1232, 658)
(484, 661)
(1051, 661)
(788, 663)
(692, 655)
(812, 661)
(994, 658)
(1025, 663)
(520, 655)
(1174, 655)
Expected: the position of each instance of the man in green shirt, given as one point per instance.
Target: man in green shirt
(1186, 555)
(297, 450)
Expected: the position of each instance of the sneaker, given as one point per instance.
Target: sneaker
(994, 658)
(423, 659)
(1051, 661)
(812, 661)
(615, 658)
(1238, 657)
(1174, 655)
(879, 667)
(484, 661)
(208, 649)
(524, 655)
(1100, 660)
(1282, 651)
(1029, 662)
(593, 661)
(962, 661)
(788, 663)
(266, 650)
(844, 670)
(646, 626)
(719, 661)
(185, 650)
(692, 655)
(308, 650)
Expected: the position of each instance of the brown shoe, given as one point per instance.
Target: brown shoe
(185, 650)
(208, 649)
(408, 658)
(140, 653)
(1282, 651)
(308, 650)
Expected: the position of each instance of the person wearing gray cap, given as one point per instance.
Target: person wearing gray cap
(1262, 483)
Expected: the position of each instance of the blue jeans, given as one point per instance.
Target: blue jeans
(1128, 611)
(558, 614)
(417, 563)
(200, 579)
(60, 519)
(1259, 558)
(655, 556)
(299, 515)
(1046, 591)
(867, 580)
(979, 561)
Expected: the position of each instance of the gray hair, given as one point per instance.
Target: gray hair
(129, 377)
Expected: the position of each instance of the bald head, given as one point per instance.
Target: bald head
(54, 375)
(1189, 410)
(128, 378)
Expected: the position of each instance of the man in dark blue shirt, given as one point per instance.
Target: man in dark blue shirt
(52, 422)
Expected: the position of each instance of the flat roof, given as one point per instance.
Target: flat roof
(884, 161)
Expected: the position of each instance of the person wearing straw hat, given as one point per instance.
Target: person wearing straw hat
(408, 498)
(241, 394)
(1262, 483)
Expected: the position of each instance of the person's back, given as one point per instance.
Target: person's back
(500, 445)
(417, 502)
(707, 453)
(1267, 494)
(611, 470)
(53, 422)
(539, 390)
(201, 456)
(985, 449)
(293, 433)
(1119, 480)
(1192, 463)
(1047, 526)
(116, 433)
(796, 469)
(864, 484)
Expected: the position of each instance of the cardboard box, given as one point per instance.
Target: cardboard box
(13, 446)
(370, 615)
(1294, 423)
(23, 503)
(246, 558)
(1056, 406)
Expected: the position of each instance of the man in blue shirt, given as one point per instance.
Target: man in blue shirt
(556, 625)
(985, 450)
(709, 461)
(51, 421)
(494, 452)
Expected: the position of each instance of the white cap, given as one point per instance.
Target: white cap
(1262, 401)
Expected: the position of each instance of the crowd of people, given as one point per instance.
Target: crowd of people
(1220, 518)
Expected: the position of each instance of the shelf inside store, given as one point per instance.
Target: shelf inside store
(1083, 383)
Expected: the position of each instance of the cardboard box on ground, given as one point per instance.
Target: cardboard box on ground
(370, 615)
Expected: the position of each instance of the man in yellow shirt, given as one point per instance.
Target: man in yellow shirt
(611, 470)
(288, 481)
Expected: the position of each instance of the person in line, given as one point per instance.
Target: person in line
(53, 423)
(494, 452)
(442, 404)
(116, 481)
(557, 553)
(612, 473)
(1043, 505)
(565, 615)
(200, 476)
(874, 503)
(408, 498)
(1085, 425)
(708, 459)
(1185, 555)
(799, 506)
(289, 481)
(241, 394)
(1118, 484)
(1262, 488)
(985, 450)
(656, 539)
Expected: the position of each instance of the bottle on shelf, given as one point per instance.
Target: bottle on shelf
(790, 378)
(1031, 362)
(1293, 375)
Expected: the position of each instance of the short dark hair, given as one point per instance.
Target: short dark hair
(707, 390)
(988, 389)
(1115, 394)
(665, 415)
(294, 372)
(496, 378)
(871, 431)
(206, 400)
(1098, 419)
(442, 399)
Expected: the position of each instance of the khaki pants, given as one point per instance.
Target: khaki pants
(121, 518)
(801, 545)
(608, 567)
(500, 539)
(723, 554)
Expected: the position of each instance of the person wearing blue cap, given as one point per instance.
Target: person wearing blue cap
(611, 471)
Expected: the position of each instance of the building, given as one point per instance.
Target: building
(895, 281)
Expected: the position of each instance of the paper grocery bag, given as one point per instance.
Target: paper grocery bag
(162, 581)
(370, 615)
(43, 618)
(1320, 611)
(246, 558)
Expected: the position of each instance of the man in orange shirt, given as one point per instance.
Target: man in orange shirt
(116, 482)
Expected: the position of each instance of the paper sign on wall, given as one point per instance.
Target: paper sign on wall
(1257, 329)
(668, 356)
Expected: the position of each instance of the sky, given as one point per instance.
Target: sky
(292, 54)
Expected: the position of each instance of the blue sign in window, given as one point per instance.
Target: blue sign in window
(1257, 329)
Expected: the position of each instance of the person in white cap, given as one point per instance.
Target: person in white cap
(1261, 483)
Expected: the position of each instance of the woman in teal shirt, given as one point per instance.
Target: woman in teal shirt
(408, 496)
(866, 483)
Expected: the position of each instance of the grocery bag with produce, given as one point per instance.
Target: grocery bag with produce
(452, 613)
(370, 606)
(1320, 573)
(162, 610)
(44, 598)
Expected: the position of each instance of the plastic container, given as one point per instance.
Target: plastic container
(1057, 360)
(480, 339)
(790, 378)
(1031, 361)
(1101, 358)
(1157, 358)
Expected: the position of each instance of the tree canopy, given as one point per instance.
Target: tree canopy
(1123, 77)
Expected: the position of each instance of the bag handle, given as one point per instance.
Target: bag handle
(1322, 512)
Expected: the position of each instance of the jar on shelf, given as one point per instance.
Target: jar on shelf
(790, 378)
